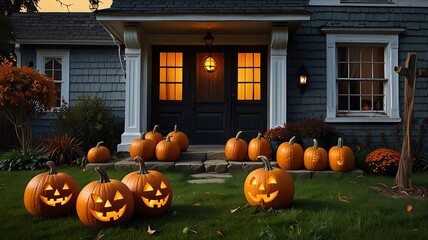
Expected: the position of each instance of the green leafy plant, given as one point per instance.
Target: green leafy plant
(18, 159)
(62, 148)
(421, 164)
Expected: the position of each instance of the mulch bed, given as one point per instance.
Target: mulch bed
(416, 192)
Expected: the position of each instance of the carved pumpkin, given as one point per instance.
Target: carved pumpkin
(341, 158)
(152, 191)
(167, 151)
(315, 158)
(105, 202)
(181, 138)
(236, 148)
(51, 194)
(259, 146)
(154, 135)
(98, 154)
(142, 147)
(269, 187)
(289, 155)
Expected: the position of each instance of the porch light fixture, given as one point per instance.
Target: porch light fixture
(93, 5)
(209, 64)
(302, 79)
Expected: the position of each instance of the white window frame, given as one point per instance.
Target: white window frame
(64, 55)
(387, 37)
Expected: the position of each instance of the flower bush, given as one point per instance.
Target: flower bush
(383, 161)
(276, 134)
(312, 127)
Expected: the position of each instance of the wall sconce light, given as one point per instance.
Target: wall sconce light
(302, 79)
(209, 64)
(93, 5)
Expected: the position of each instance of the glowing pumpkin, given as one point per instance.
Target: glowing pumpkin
(151, 189)
(142, 147)
(315, 158)
(51, 194)
(269, 187)
(154, 135)
(167, 151)
(181, 138)
(236, 148)
(105, 202)
(341, 158)
(98, 154)
(289, 155)
(259, 146)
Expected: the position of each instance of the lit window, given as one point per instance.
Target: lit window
(249, 76)
(171, 76)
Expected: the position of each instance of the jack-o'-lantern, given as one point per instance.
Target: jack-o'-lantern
(259, 146)
(51, 194)
(105, 203)
(341, 158)
(315, 158)
(151, 189)
(269, 187)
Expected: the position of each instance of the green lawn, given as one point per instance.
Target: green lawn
(316, 213)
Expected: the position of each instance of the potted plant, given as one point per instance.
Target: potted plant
(309, 128)
(275, 136)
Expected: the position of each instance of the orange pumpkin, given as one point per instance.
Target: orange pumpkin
(259, 146)
(341, 158)
(154, 135)
(236, 148)
(98, 154)
(167, 151)
(142, 147)
(51, 194)
(151, 189)
(269, 187)
(179, 137)
(105, 202)
(290, 155)
(315, 158)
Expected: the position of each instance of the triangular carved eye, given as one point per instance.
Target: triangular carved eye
(163, 185)
(96, 198)
(271, 180)
(253, 181)
(48, 187)
(148, 187)
(66, 187)
(118, 196)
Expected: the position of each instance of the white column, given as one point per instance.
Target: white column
(133, 88)
(278, 77)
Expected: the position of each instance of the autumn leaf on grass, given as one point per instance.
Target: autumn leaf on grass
(150, 231)
(409, 208)
(342, 198)
(220, 233)
(197, 204)
(235, 210)
(187, 230)
(99, 236)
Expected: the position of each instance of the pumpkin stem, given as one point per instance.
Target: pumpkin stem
(315, 144)
(266, 162)
(99, 144)
(168, 138)
(259, 136)
(155, 128)
(340, 142)
(292, 140)
(52, 167)
(103, 175)
(143, 169)
(238, 135)
(175, 128)
(143, 136)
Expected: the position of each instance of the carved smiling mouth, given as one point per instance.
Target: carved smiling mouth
(159, 203)
(57, 201)
(108, 216)
(265, 197)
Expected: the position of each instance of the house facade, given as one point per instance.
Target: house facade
(247, 78)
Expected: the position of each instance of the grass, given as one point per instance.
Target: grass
(317, 212)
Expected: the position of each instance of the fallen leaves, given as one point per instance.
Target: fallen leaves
(150, 231)
(187, 230)
(409, 208)
(220, 233)
(342, 198)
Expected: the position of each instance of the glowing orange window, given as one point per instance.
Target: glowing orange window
(249, 76)
(171, 76)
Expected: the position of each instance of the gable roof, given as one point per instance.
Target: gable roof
(59, 28)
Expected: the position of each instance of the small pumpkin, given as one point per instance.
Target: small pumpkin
(142, 147)
(105, 202)
(154, 135)
(181, 138)
(98, 154)
(259, 146)
(315, 158)
(289, 155)
(151, 189)
(236, 148)
(269, 187)
(167, 150)
(51, 194)
(341, 158)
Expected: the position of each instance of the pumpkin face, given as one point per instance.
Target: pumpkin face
(142, 147)
(269, 187)
(180, 138)
(154, 135)
(341, 158)
(289, 155)
(105, 202)
(152, 191)
(315, 158)
(167, 151)
(236, 148)
(259, 146)
(51, 194)
(98, 154)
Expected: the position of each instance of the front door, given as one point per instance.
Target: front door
(211, 106)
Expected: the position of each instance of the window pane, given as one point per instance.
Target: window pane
(257, 91)
(355, 103)
(366, 87)
(366, 54)
(377, 87)
(257, 75)
(378, 53)
(378, 103)
(241, 74)
(178, 91)
(354, 87)
(354, 69)
(178, 59)
(249, 60)
(241, 60)
(343, 87)
(342, 70)
(342, 55)
(343, 103)
(162, 57)
(257, 61)
(179, 75)
(354, 54)
(170, 59)
(170, 76)
(58, 75)
(249, 76)
(249, 92)
(366, 104)
(378, 70)
(162, 91)
(162, 75)
(241, 91)
(366, 70)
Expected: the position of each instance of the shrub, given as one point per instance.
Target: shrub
(18, 159)
(383, 161)
(421, 164)
(62, 148)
